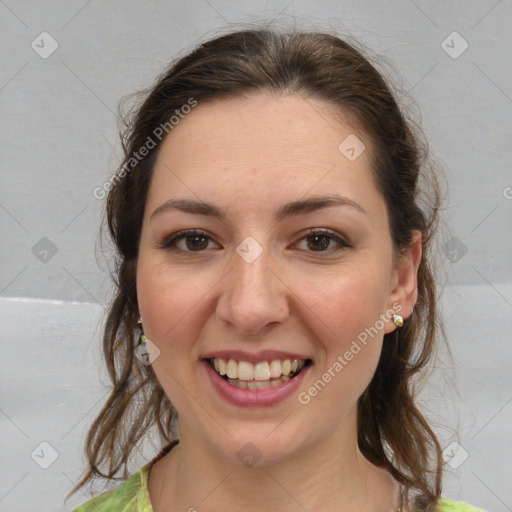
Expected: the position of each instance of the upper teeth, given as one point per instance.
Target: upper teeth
(265, 370)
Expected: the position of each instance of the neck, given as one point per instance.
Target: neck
(329, 475)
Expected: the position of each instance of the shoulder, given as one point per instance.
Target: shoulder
(130, 496)
(455, 506)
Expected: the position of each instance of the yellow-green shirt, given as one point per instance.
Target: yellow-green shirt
(133, 496)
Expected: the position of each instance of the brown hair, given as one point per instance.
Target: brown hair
(393, 434)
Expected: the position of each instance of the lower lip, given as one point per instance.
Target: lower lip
(254, 397)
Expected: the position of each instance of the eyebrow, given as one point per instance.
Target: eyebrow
(299, 207)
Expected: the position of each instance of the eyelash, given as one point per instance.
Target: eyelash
(169, 243)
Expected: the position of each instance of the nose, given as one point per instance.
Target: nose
(253, 296)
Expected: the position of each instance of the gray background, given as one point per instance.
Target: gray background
(59, 141)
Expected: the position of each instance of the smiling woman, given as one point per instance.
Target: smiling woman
(273, 250)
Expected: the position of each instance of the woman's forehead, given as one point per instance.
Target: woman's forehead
(251, 154)
(274, 119)
(265, 140)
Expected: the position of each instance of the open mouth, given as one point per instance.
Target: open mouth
(262, 375)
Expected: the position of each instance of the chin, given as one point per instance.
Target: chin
(257, 447)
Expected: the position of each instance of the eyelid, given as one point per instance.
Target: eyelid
(341, 240)
(168, 242)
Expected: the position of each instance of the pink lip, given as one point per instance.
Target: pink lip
(264, 355)
(254, 397)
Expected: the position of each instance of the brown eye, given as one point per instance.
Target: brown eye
(196, 242)
(186, 241)
(323, 241)
(318, 242)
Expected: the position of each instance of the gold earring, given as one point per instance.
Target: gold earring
(142, 337)
(398, 320)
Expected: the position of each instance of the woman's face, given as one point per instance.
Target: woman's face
(270, 276)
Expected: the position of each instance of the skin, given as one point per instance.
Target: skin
(248, 156)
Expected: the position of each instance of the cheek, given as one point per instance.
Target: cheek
(171, 304)
(346, 303)
(349, 326)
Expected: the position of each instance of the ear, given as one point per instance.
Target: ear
(404, 281)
